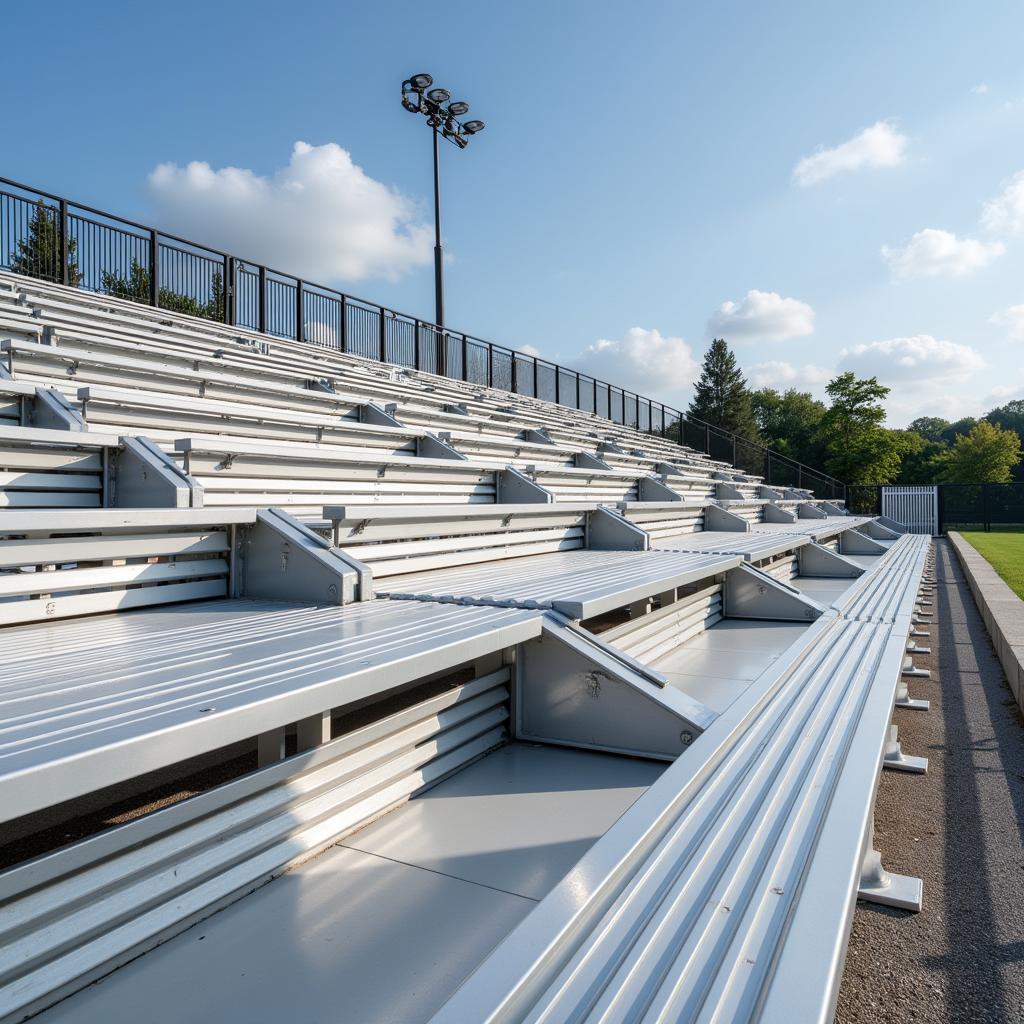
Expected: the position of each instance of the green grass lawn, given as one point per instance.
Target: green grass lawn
(1005, 551)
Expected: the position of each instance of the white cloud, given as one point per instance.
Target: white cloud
(927, 376)
(783, 375)
(920, 357)
(530, 350)
(762, 316)
(1005, 213)
(933, 252)
(1013, 320)
(321, 217)
(644, 361)
(1003, 391)
(881, 145)
(980, 89)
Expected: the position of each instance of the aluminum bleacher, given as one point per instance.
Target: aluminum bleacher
(533, 715)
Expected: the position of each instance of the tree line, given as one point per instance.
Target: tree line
(847, 435)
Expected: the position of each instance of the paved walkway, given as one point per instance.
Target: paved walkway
(961, 829)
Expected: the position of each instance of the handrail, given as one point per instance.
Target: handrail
(214, 284)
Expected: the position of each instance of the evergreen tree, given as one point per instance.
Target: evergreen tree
(38, 254)
(720, 396)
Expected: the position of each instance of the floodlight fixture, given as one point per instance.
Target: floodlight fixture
(442, 117)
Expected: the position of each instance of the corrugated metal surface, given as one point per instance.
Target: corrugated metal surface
(681, 911)
(71, 916)
(88, 703)
(576, 583)
(818, 529)
(888, 589)
(752, 546)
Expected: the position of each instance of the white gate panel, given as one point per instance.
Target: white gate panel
(916, 508)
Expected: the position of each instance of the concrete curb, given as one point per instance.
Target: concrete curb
(1001, 610)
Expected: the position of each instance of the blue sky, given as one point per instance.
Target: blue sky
(639, 185)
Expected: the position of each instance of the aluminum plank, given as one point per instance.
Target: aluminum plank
(578, 584)
(752, 546)
(639, 928)
(86, 704)
(817, 529)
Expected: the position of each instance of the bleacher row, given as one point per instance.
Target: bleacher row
(559, 719)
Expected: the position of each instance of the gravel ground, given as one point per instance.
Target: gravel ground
(961, 829)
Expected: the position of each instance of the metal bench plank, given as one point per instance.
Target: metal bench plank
(165, 685)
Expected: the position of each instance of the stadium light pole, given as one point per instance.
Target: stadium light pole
(442, 115)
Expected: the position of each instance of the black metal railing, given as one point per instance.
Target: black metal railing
(54, 239)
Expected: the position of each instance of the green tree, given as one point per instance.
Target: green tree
(136, 287)
(38, 253)
(720, 396)
(922, 459)
(860, 449)
(931, 428)
(986, 455)
(1011, 417)
(790, 422)
(963, 426)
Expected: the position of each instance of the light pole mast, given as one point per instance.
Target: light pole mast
(442, 115)
(438, 253)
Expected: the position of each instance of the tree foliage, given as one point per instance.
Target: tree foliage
(790, 422)
(931, 428)
(985, 455)
(136, 286)
(860, 450)
(38, 253)
(721, 396)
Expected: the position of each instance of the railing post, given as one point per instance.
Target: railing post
(558, 384)
(416, 344)
(343, 334)
(577, 389)
(767, 467)
(490, 365)
(465, 359)
(536, 379)
(229, 289)
(515, 373)
(799, 474)
(442, 352)
(261, 315)
(154, 269)
(707, 438)
(300, 311)
(595, 396)
(383, 339)
(63, 231)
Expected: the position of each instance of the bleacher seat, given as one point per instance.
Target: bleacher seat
(490, 597)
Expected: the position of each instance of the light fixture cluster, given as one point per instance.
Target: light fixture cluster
(441, 112)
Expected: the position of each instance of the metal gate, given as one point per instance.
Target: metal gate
(916, 508)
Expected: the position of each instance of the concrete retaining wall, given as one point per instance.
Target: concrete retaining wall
(1001, 609)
